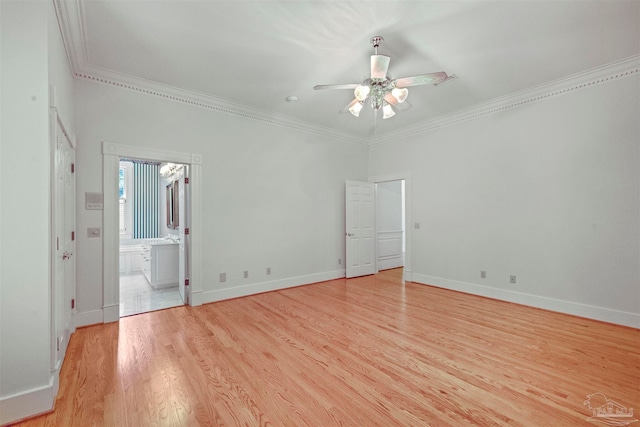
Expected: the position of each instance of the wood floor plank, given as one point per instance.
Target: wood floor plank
(358, 352)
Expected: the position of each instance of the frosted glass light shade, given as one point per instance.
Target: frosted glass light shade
(379, 66)
(400, 94)
(387, 111)
(355, 108)
(361, 92)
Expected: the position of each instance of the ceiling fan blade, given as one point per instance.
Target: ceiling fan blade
(351, 104)
(400, 106)
(379, 66)
(422, 79)
(345, 86)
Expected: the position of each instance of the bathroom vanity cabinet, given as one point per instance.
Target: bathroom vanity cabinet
(160, 263)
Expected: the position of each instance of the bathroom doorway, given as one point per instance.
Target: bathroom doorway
(152, 220)
(190, 274)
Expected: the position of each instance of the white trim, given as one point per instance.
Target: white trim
(136, 84)
(257, 288)
(111, 312)
(29, 403)
(604, 74)
(111, 273)
(552, 304)
(71, 21)
(69, 39)
(86, 318)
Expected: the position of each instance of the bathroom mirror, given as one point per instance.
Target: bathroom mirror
(172, 195)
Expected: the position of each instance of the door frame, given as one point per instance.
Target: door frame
(111, 153)
(406, 176)
(58, 348)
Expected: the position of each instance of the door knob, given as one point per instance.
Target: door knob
(66, 255)
(350, 235)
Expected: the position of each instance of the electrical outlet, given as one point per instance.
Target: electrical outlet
(416, 225)
(339, 261)
(223, 277)
(268, 270)
(483, 274)
(512, 279)
(246, 274)
(93, 232)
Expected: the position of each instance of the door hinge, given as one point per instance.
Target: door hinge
(57, 243)
(186, 180)
(73, 167)
(73, 303)
(186, 231)
(73, 236)
(186, 282)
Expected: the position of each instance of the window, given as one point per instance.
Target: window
(125, 199)
(121, 183)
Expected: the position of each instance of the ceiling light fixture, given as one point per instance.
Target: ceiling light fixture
(387, 111)
(356, 108)
(381, 91)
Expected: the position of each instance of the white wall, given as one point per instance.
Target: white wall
(31, 59)
(272, 196)
(548, 191)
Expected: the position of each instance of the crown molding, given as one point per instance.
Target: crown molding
(176, 94)
(71, 22)
(70, 17)
(594, 77)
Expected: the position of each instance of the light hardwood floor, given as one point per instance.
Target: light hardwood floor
(360, 352)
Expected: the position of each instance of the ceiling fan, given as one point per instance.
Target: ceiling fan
(381, 91)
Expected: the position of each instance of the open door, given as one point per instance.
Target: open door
(183, 197)
(360, 220)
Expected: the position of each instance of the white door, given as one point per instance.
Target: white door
(70, 238)
(64, 264)
(182, 248)
(360, 215)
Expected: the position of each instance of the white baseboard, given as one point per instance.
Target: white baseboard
(196, 298)
(257, 288)
(561, 306)
(28, 403)
(86, 318)
(111, 313)
(388, 263)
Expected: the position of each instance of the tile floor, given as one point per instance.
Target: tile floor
(137, 296)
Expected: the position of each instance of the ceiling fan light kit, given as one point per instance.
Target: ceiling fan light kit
(381, 91)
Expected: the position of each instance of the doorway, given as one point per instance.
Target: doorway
(364, 242)
(390, 225)
(405, 207)
(152, 220)
(192, 215)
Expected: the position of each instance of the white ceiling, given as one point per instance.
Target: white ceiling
(253, 54)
